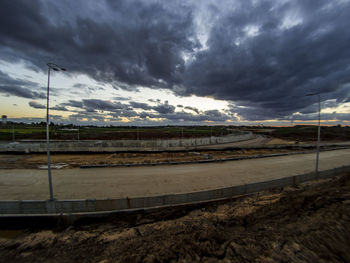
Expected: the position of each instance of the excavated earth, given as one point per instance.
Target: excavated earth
(305, 223)
(30, 161)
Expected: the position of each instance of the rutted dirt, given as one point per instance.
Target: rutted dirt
(307, 223)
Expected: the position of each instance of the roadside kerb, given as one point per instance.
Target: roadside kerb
(32, 207)
(121, 145)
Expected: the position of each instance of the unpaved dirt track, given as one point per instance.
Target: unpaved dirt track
(20, 184)
(307, 223)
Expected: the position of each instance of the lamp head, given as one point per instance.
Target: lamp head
(55, 67)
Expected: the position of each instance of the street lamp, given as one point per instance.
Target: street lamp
(319, 129)
(54, 67)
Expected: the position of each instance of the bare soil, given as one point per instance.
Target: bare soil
(306, 223)
(75, 160)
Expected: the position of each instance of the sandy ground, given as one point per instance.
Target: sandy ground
(76, 160)
(10, 161)
(30, 161)
(307, 223)
(32, 184)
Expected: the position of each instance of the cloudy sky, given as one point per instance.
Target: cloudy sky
(152, 62)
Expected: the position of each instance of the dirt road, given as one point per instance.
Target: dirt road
(17, 184)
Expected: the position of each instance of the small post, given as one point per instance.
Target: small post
(318, 135)
(318, 132)
(182, 135)
(211, 134)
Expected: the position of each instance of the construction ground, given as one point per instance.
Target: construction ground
(306, 223)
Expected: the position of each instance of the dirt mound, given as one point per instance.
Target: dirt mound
(308, 223)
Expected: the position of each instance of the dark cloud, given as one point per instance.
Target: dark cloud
(154, 100)
(192, 109)
(84, 89)
(127, 113)
(73, 103)
(102, 105)
(59, 108)
(139, 105)
(164, 108)
(262, 56)
(121, 98)
(92, 106)
(21, 92)
(94, 109)
(325, 117)
(139, 44)
(161, 108)
(270, 71)
(177, 117)
(36, 105)
(19, 88)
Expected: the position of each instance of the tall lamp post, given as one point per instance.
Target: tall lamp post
(319, 130)
(54, 67)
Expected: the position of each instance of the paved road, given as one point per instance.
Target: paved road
(93, 183)
(258, 140)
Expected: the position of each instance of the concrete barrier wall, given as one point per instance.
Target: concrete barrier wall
(103, 205)
(122, 145)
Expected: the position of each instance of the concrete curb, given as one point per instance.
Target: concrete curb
(88, 207)
(101, 146)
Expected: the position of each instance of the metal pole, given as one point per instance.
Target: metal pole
(318, 135)
(211, 133)
(47, 137)
(13, 132)
(78, 135)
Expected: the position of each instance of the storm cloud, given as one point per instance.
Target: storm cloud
(36, 105)
(163, 112)
(19, 88)
(261, 56)
(133, 42)
(266, 57)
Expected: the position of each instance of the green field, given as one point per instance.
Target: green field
(305, 133)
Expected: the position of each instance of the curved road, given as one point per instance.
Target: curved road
(258, 140)
(25, 184)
